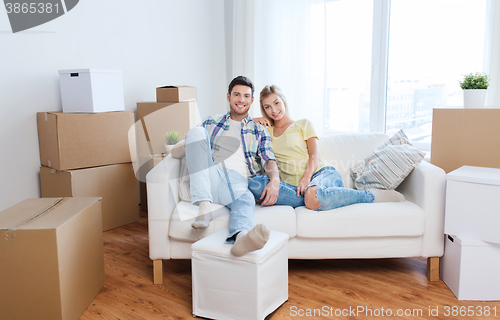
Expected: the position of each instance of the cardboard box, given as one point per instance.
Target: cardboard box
(465, 137)
(469, 268)
(52, 266)
(149, 164)
(176, 94)
(116, 184)
(81, 140)
(91, 90)
(473, 203)
(154, 119)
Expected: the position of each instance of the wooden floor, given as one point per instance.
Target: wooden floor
(318, 289)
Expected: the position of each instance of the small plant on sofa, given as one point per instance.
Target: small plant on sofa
(171, 138)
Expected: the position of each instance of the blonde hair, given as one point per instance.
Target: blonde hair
(266, 92)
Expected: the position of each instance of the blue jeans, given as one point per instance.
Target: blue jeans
(217, 184)
(331, 193)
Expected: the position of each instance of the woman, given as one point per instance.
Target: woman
(305, 178)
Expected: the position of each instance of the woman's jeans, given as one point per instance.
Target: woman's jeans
(217, 184)
(331, 193)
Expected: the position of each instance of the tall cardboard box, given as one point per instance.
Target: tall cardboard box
(155, 119)
(81, 140)
(176, 94)
(91, 90)
(465, 137)
(52, 262)
(116, 184)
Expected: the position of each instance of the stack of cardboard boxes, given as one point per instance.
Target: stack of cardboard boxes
(472, 244)
(52, 248)
(175, 109)
(465, 145)
(85, 152)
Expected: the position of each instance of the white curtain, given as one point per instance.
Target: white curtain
(285, 55)
(269, 41)
(492, 52)
(240, 36)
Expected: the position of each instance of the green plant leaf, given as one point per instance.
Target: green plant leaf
(475, 81)
(172, 137)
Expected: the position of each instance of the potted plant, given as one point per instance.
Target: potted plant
(171, 138)
(474, 86)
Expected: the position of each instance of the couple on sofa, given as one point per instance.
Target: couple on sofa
(235, 161)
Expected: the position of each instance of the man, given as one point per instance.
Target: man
(221, 154)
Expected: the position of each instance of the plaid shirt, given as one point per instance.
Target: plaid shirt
(255, 137)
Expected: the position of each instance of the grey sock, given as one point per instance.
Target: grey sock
(252, 240)
(204, 215)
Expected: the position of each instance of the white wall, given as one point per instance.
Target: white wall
(154, 42)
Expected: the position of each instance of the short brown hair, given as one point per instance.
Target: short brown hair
(240, 80)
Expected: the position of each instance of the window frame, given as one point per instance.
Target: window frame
(379, 71)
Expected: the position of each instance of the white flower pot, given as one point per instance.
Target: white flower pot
(474, 98)
(168, 148)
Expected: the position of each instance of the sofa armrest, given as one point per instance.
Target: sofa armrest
(163, 196)
(426, 187)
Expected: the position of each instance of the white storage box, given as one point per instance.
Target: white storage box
(247, 287)
(469, 268)
(91, 90)
(473, 203)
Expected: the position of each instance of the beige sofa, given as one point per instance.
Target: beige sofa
(413, 228)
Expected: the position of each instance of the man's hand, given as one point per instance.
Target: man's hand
(263, 121)
(270, 193)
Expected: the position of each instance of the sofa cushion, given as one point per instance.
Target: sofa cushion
(388, 165)
(343, 151)
(277, 218)
(384, 219)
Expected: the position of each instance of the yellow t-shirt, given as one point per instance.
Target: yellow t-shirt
(290, 149)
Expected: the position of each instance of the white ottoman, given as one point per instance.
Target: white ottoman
(247, 287)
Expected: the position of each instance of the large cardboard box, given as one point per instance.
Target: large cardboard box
(465, 137)
(176, 94)
(116, 184)
(473, 203)
(81, 140)
(469, 268)
(91, 90)
(154, 119)
(52, 263)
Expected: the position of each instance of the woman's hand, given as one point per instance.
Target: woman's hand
(301, 187)
(263, 121)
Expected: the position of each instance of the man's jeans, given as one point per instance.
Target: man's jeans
(331, 193)
(217, 184)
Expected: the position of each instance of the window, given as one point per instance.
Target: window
(369, 65)
(431, 45)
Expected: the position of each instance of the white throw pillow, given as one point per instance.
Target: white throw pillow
(388, 165)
